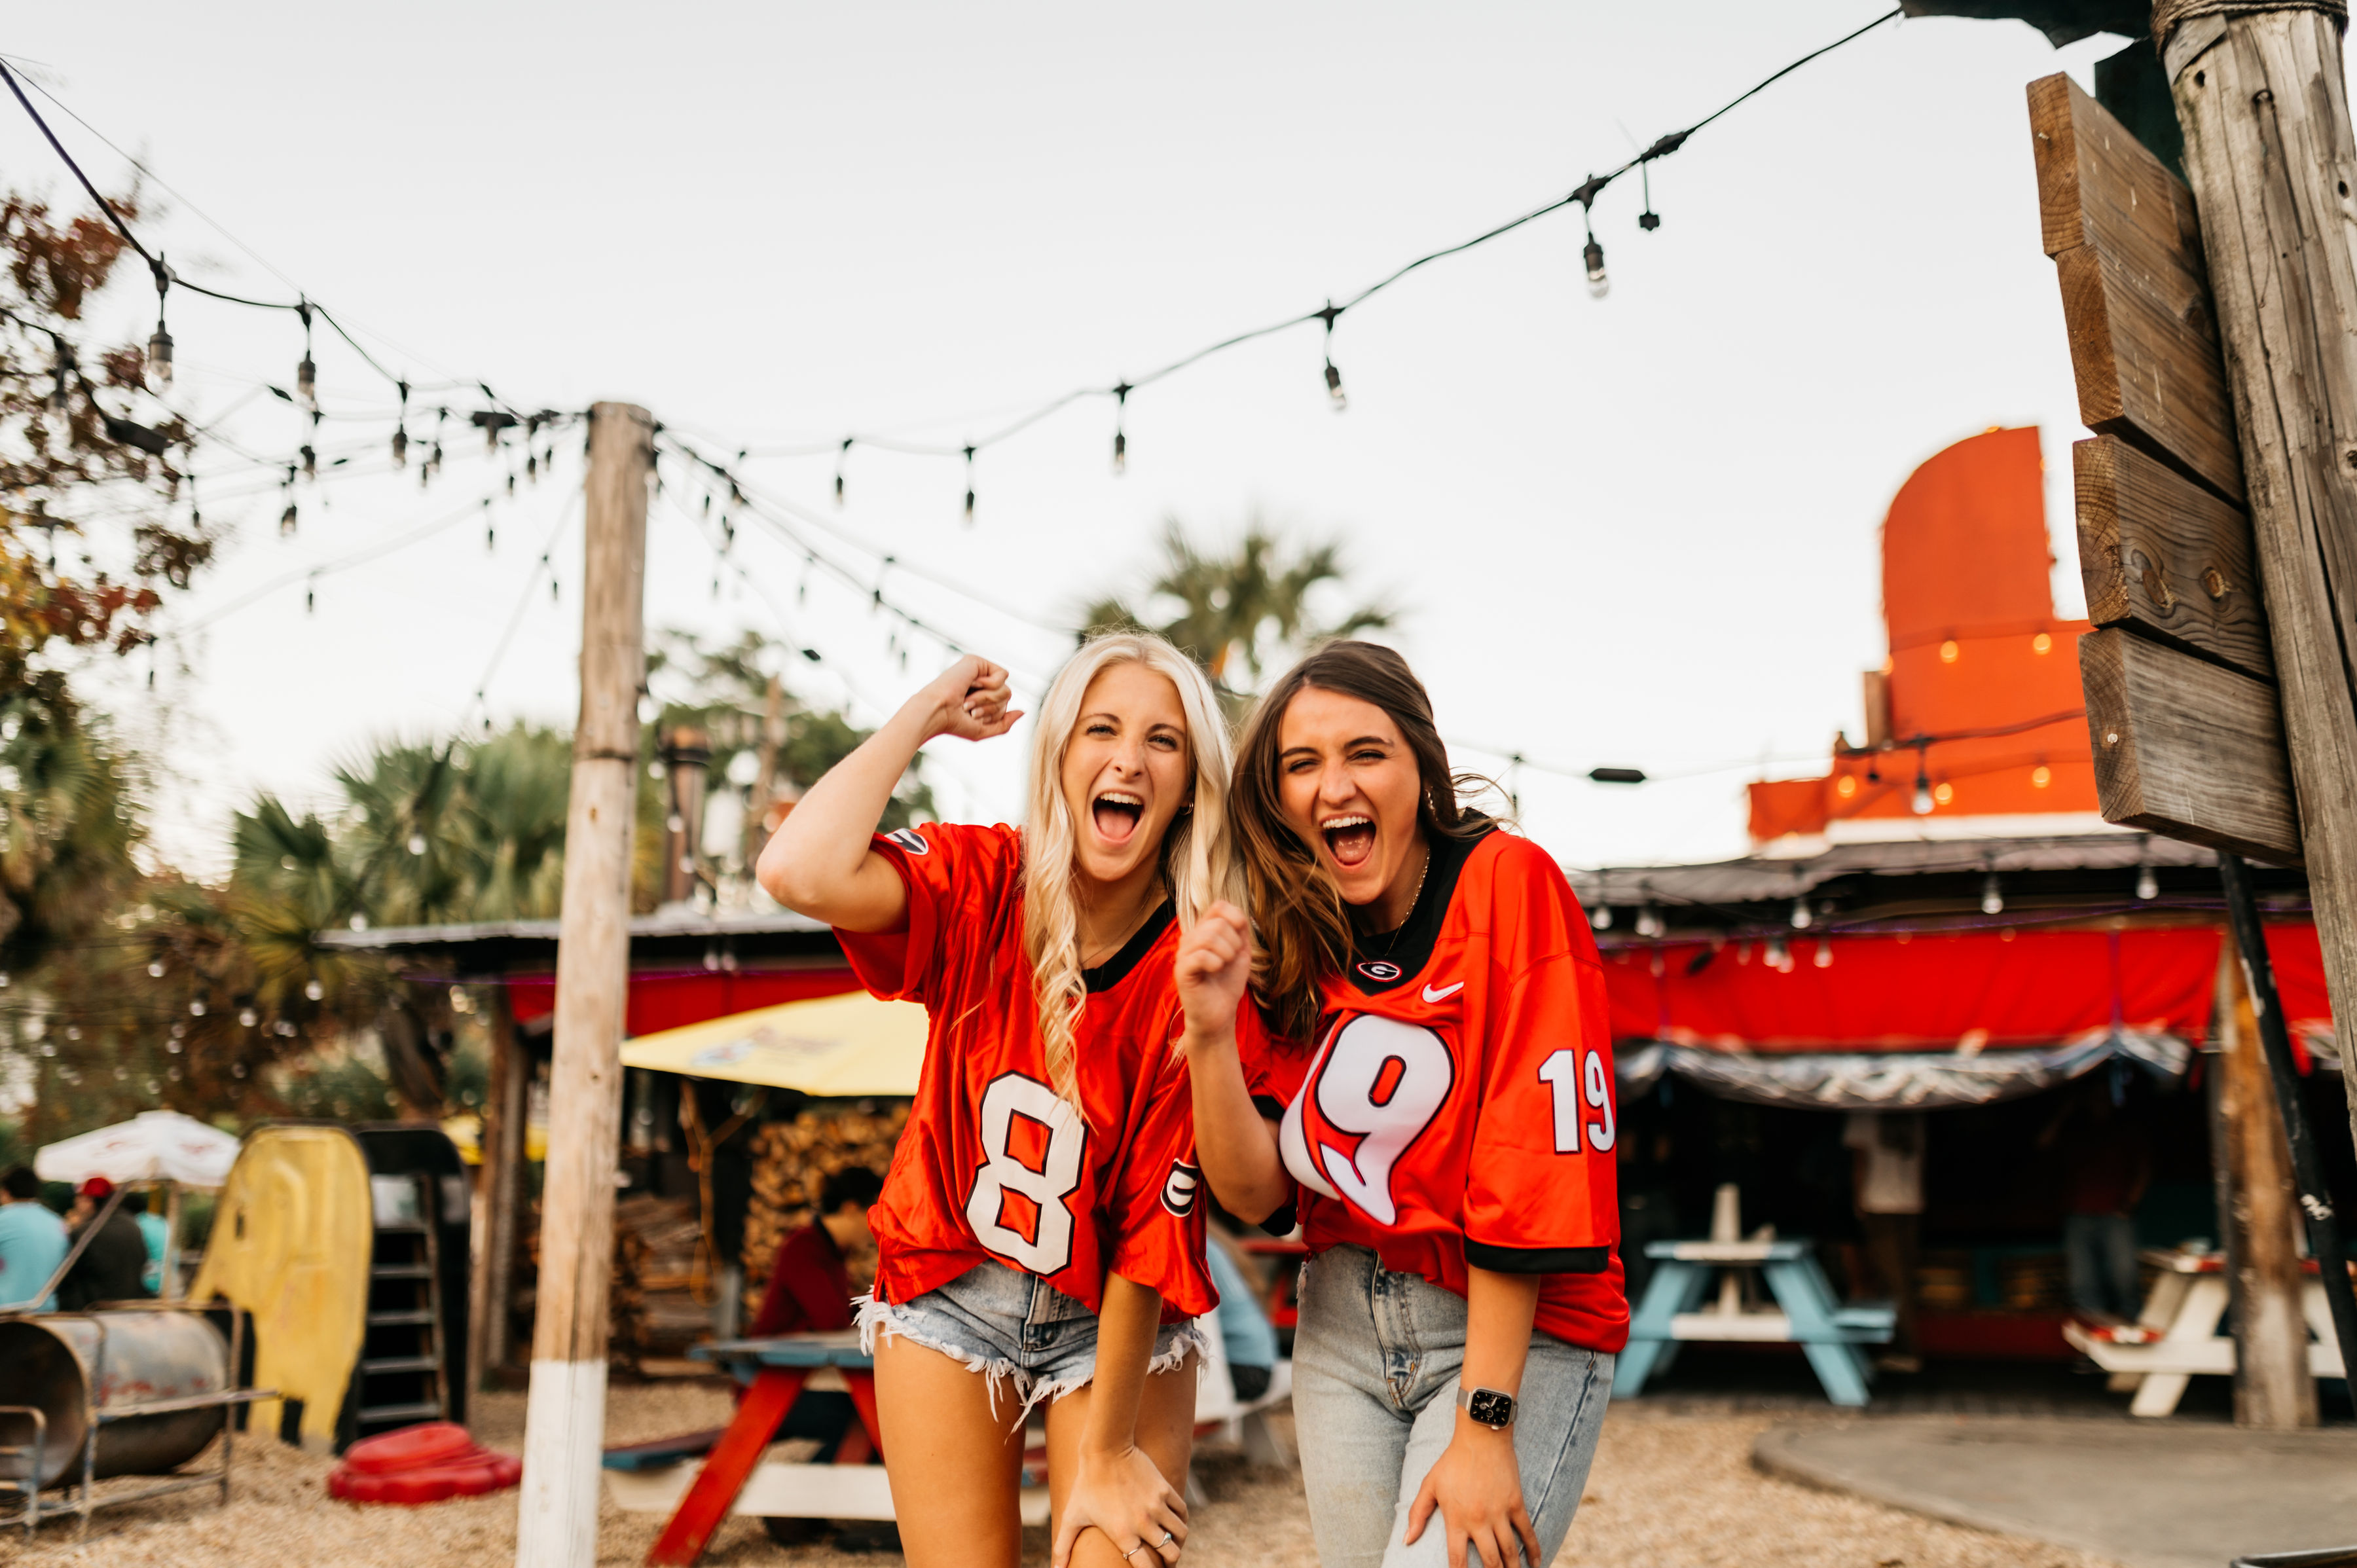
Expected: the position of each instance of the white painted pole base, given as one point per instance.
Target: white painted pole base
(564, 1437)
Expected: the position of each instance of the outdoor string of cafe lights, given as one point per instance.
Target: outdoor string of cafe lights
(500, 418)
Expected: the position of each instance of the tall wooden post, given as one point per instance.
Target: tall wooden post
(565, 1420)
(505, 1106)
(2273, 1388)
(2273, 163)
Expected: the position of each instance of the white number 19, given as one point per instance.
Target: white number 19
(1574, 1082)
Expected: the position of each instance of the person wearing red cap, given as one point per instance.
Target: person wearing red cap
(114, 1266)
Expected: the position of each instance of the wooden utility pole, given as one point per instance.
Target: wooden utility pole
(565, 1421)
(2261, 96)
(2272, 1388)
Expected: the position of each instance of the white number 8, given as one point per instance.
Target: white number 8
(1050, 1246)
(1563, 1073)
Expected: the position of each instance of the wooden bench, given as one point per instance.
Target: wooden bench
(2176, 1337)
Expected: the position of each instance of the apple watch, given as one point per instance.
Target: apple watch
(1487, 1406)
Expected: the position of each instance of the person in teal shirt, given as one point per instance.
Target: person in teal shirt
(32, 1243)
(155, 1232)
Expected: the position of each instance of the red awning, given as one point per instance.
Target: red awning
(1936, 992)
(668, 999)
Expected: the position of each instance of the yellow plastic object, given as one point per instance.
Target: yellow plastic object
(292, 1239)
(844, 1046)
(466, 1132)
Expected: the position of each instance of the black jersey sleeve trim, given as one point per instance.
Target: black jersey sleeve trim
(1537, 1259)
(1270, 1106)
(1282, 1223)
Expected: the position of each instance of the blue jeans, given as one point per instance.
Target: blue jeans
(1375, 1360)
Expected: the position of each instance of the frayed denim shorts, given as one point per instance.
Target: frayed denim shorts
(1016, 1330)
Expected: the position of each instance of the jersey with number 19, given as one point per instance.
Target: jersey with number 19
(1457, 1104)
(993, 1165)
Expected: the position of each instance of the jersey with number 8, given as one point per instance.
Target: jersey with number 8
(993, 1165)
(1459, 1104)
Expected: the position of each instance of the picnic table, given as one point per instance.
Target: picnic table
(732, 1478)
(2176, 1337)
(1806, 1313)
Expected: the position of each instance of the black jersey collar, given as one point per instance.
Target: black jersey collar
(1116, 970)
(1381, 961)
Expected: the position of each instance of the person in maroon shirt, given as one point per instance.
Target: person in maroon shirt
(809, 1286)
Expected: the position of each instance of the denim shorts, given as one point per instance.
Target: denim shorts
(1016, 1330)
(1375, 1361)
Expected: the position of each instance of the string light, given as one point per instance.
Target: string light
(1592, 254)
(1648, 219)
(1119, 427)
(159, 343)
(401, 428)
(1600, 917)
(309, 585)
(1648, 920)
(841, 456)
(969, 485)
(1923, 801)
(1333, 377)
(306, 374)
(1992, 896)
(1780, 958)
(1801, 916)
(313, 990)
(2148, 888)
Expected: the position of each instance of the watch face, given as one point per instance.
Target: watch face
(1489, 1407)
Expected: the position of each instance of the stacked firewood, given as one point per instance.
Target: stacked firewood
(791, 1160)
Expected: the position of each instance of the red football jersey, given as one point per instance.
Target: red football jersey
(1459, 1106)
(993, 1165)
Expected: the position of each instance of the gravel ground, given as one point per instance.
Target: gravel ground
(1671, 1490)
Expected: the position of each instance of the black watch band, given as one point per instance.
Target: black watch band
(1487, 1406)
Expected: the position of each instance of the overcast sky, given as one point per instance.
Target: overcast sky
(1639, 532)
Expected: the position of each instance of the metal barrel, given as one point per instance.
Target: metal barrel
(72, 1365)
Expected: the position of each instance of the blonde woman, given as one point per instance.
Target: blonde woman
(1040, 1230)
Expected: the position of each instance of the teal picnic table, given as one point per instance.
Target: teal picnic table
(1806, 1313)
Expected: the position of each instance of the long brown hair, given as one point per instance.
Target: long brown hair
(1299, 921)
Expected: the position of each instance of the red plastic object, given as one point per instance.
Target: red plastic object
(425, 1463)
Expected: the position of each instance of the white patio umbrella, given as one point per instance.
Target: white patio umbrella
(154, 1146)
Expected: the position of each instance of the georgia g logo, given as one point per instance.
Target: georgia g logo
(1380, 970)
(1376, 1085)
(908, 839)
(1180, 1190)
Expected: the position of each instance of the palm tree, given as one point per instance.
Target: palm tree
(1241, 614)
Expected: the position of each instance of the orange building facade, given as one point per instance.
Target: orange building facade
(1977, 713)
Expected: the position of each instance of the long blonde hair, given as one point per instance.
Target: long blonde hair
(1199, 861)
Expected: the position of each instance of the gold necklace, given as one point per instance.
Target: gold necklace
(1393, 936)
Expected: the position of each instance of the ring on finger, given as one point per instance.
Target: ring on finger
(1167, 1538)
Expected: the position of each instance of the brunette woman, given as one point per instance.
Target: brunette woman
(1446, 1124)
(1039, 1232)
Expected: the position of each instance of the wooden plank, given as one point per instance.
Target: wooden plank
(2136, 293)
(2163, 556)
(2186, 748)
(714, 1492)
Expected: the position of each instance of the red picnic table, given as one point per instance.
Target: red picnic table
(776, 1372)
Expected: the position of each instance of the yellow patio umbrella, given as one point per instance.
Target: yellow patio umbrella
(847, 1045)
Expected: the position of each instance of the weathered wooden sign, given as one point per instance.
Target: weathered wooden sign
(2182, 710)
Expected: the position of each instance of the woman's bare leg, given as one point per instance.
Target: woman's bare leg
(955, 1465)
(1165, 1432)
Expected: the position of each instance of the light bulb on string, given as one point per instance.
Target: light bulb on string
(306, 374)
(1119, 427)
(310, 600)
(1600, 917)
(1992, 895)
(1801, 916)
(1922, 801)
(1649, 220)
(401, 427)
(1592, 254)
(969, 485)
(159, 343)
(490, 532)
(2148, 886)
(841, 457)
(1333, 376)
(310, 461)
(1780, 958)
(1648, 920)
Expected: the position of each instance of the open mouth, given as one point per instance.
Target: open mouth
(1349, 840)
(1116, 814)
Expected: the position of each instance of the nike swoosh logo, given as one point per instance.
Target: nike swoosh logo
(1442, 993)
